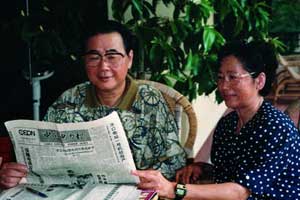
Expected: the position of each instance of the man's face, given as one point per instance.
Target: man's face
(106, 62)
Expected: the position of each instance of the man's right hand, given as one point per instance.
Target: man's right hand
(11, 173)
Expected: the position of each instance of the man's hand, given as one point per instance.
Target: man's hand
(11, 173)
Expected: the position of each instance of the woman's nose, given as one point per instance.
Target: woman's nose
(223, 84)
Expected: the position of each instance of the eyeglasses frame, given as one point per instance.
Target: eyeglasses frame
(102, 57)
(238, 76)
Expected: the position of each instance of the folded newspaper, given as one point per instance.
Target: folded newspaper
(86, 160)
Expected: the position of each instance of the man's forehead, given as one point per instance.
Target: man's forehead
(110, 37)
(106, 42)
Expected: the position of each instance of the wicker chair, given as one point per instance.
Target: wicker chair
(183, 112)
(293, 111)
(288, 78)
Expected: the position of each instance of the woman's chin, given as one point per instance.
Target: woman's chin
(231, 104)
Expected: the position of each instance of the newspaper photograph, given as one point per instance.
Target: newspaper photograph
(75, 154)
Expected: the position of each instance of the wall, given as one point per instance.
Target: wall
(208, 113)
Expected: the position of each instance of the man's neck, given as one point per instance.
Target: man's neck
(111, 98)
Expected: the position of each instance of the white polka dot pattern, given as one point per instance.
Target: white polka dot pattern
(264, 156)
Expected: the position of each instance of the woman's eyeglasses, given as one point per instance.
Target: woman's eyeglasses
(93, 58)
(232, 78)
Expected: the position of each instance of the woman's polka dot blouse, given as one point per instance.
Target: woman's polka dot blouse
(263, 157)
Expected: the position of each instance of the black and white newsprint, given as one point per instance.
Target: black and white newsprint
(70, 161)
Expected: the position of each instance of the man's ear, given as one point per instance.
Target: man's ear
(130, 57)
(260, 81)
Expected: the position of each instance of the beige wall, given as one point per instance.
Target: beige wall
(208, 113)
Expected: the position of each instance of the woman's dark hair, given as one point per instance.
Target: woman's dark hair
(110, 26)
(256, 57)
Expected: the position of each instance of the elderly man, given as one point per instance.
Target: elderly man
(150, 126)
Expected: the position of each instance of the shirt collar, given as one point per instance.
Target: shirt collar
(128, 97)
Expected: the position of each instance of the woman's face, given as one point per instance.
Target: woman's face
(106, 62)
(235, 84)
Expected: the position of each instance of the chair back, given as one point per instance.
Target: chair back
(293, 111)
(184, 114)
(287, 82)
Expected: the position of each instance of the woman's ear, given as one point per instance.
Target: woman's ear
(260, 81)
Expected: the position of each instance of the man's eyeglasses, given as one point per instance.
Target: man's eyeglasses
(93, 58)
(232, 78)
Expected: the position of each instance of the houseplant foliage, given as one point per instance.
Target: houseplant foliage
(285, 23)
(286, 16)
(181, 50)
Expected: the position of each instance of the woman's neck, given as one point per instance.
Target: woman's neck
(246, 113)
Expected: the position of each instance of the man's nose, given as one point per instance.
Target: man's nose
(102, 64)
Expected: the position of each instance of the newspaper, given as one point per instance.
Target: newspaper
(73, 154)
(60, 192)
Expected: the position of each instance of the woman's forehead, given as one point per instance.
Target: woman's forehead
(231, 64)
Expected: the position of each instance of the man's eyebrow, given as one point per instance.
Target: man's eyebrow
(111, 51)
(92, 51)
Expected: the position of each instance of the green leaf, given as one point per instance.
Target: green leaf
(118, 10)
(137, 4)
(192, 65)
(174, 28)
(278, 45)
(156, 55)
(189, 63)
(172, 77)
(219, 99)
(209, 37)
(239, 25)
(149, 7)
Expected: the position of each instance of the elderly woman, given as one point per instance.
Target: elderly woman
(150, 126)
(256, 148)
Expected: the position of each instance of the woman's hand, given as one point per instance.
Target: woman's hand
(190, 173)
(11, 173)
(153, 179)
